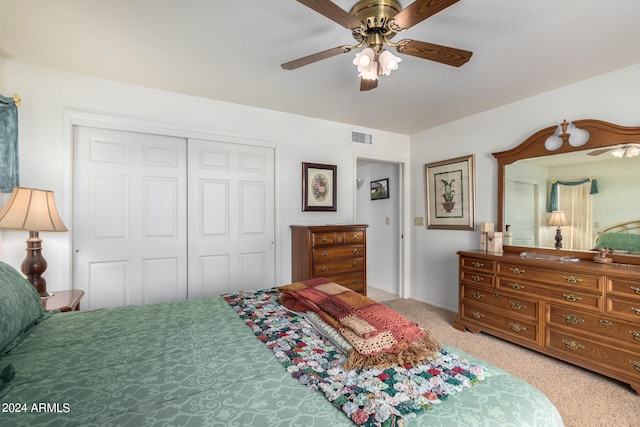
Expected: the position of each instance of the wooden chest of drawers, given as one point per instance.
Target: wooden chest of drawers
(337, 252)
(584, 313)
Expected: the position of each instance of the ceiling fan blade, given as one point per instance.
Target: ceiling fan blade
(598, 152)
(366, 84)
(434, 52)
(418, 11)
(333, 12)
(300, 62)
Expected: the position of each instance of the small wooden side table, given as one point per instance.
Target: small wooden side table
(64, 300)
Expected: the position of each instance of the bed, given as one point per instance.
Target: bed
(204, 362)
(622, 238)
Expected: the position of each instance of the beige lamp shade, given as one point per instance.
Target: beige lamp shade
(31, 209)
(558, 219)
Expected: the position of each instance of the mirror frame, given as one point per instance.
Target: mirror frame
(601, 134)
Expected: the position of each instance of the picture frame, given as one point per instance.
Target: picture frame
(319, 187)
(380, 189)
(450, 194)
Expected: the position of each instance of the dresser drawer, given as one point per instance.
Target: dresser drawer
(625, 362)
(516, 328)
(599, 325)
(476, 277)
(624, 288)
(330, 254)
(339, 267)
(628, 309)
(563, 294)
(355, 282)
(477, 263)
(323, 239)
(515, 304)
(586, 282)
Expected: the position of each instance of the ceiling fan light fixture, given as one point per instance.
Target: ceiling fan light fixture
(633, 151)
(619, 152)
(388, 62)
(366, 63)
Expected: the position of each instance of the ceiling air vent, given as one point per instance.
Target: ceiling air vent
(361, 138)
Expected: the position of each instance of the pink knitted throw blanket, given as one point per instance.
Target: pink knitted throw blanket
(380, 337)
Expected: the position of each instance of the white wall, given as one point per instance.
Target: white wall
(45, 149)
(613, 97)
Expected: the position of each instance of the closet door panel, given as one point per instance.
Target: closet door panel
(130, 219)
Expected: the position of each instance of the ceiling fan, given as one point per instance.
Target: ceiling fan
(623, 150)
(373, 23)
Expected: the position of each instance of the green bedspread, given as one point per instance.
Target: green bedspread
(192, 363)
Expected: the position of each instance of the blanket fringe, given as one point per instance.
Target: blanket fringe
(418, 351)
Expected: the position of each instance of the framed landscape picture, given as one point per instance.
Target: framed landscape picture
(319, 187)
(450, 194)
(380, 189)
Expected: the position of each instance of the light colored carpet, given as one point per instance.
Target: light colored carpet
(583, 398)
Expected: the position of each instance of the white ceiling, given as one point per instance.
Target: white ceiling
(232, 51)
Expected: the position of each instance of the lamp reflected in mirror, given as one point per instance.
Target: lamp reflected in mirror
(558, 219)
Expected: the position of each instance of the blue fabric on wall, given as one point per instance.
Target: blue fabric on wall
(9, 167)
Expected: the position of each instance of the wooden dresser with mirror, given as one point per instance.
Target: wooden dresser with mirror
(559, 301)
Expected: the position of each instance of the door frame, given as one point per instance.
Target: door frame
(73, 118)
(404, 209)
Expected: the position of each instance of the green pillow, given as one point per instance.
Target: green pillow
(20, 305)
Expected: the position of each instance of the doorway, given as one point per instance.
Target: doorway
(385, 236)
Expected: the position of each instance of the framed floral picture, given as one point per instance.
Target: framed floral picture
(319, 187)
(450, 194)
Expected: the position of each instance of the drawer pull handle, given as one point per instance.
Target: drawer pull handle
(496, 295)
(325, 254)
(574, 320)
(572, 345)
(354, 251)
(635, 289)
(636, 335)
(635, 364)
(637, 310)
(354, 265)
(571, 297)
(517, 328)
(605, 322)
(477, 295)
(516, 286)
(477, 278)
(516, 305)
(355, 237)
(572, 280)
(516, 270)
(477, 264)
(477, 314)
(354, 282)
(324, 268)
(324, 239)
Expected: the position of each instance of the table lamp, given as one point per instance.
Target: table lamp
(34, 211)
(558, 219)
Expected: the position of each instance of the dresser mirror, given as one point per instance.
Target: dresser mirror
(525, 174)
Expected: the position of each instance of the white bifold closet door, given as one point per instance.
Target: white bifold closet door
(160, 218)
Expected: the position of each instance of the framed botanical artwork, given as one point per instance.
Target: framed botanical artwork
(451, 194)
(319, 187)
(380, 189)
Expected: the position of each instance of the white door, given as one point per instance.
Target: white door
(231, 217)
(129, 217)
(520, 213)
(160, 218)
